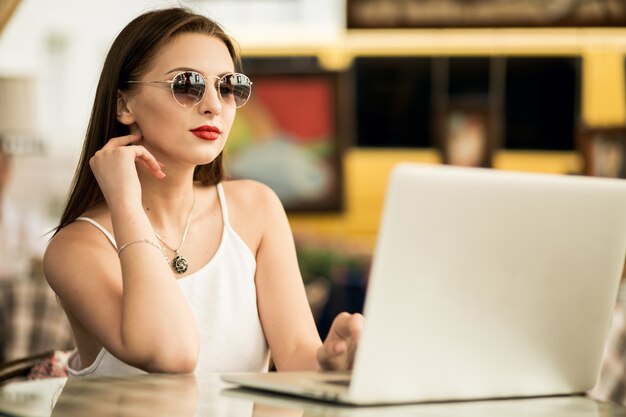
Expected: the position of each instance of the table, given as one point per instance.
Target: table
(207, 395)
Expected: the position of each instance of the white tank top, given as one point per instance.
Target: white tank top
(222, 297)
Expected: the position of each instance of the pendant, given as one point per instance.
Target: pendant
(179, 264)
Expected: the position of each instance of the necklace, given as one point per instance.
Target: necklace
(179, 263)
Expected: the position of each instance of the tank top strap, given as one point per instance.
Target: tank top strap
(102, 229)
(222, 197)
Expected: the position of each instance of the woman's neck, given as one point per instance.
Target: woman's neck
(167, 201)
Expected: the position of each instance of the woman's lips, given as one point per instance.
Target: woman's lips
(206, 135)
(206, 132)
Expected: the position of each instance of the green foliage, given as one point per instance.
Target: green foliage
(328, 263)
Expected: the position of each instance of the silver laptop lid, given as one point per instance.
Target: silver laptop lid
(487, 283)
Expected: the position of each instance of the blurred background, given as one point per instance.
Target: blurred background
(343, 90)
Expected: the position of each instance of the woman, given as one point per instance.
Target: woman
(160, 264)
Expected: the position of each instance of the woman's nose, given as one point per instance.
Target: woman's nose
(211, 102)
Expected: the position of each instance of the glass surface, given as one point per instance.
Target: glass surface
(188, 395)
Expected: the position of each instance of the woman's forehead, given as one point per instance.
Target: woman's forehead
(204, 53)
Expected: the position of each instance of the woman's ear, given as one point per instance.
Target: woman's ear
(124, 112)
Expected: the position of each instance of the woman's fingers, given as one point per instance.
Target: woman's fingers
(338, 350)
(149, 161)
(348, 326)
(130, 145)
(122, 141)
(340, 347)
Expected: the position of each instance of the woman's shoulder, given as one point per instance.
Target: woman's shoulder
(254, 209)
(250, 194)
(78, 236)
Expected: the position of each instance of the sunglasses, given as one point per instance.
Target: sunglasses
(189, 88)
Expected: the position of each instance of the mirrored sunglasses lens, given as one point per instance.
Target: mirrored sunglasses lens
(188, 88)
(235, 89)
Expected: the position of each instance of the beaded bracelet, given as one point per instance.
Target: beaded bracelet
(148, 241)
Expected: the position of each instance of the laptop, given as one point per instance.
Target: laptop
(265, 404)
(484, 284)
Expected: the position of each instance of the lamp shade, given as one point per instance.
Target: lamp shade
(19, 114)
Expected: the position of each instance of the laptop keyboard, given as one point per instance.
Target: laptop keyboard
(341, 382)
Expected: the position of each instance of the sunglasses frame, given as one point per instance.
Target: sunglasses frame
(206, 83)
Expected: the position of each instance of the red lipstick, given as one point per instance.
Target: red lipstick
(206, 132)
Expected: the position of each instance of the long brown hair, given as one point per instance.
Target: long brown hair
(131, 55)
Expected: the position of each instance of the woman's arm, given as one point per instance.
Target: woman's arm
(283, 307)
(130, 304)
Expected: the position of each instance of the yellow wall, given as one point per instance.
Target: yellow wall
(603, 102)
(366, 170)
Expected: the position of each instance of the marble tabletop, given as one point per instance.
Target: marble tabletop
(207, 395)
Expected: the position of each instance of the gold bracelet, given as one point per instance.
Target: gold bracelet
(148, 241)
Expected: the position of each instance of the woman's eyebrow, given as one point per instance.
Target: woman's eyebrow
(179, 69)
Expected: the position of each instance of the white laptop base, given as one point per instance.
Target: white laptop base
(484, 284)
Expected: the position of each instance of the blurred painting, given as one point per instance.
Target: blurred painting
(286, 136)
(465, 138)
(604, 152)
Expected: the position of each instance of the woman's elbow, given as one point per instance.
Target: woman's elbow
(183, 365)
(178, 364)
(173, 361)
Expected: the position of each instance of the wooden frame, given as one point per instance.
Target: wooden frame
(364, 14)
(465, 135)
(604, 151)
(288, 135)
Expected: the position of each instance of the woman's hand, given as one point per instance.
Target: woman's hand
(337, 352)
(115, 170)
